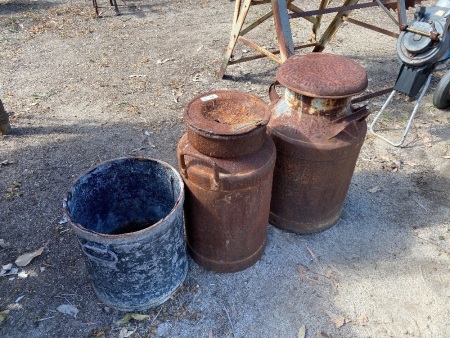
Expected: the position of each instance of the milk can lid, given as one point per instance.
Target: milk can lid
(223, 112)
(322, 75)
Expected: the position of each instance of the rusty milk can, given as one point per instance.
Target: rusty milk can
(318, 136)
(226, 160)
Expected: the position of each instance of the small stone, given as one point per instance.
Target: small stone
(163, 329)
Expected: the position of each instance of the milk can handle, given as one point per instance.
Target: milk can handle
(203, 158)
(100, 254)
(273, 95)
(358, 114)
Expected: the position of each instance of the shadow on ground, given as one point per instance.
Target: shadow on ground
(368, 254)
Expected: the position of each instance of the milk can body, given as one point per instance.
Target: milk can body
(227, 166)
(318, 135)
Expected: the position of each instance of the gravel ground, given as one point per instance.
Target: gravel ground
(81, 90)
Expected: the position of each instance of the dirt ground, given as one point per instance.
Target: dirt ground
(81, 90)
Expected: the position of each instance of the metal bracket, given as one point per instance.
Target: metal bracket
(408, 126)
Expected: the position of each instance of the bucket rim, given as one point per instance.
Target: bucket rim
(89, 233)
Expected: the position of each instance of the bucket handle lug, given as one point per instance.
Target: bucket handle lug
(99, 254)
(273, 95)
(215, 184)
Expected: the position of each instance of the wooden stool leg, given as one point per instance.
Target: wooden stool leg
(116, 8)
(94, 2)
(238, 21)
(316, 26)
(283, 28)
(334, 26)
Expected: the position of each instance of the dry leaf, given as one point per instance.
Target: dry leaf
(124, 333)
(329, 273)
(302, 332)
(7, 267)
(136, 316)
(25, 259)
(3, 243)
(339, 321)
(68, 310)
(324, 335)
(363, 319)
(22, 274)
(125, 319)
(3, 315)
(374, 189)
(300, 272)
(9, 271)
(98, 334)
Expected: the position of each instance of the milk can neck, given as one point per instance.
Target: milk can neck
(319, 106)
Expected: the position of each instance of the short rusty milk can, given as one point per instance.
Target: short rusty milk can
(318, 136)
(226, 160)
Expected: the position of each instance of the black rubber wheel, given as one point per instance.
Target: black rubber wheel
(441, 97)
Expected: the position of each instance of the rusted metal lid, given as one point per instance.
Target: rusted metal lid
(226, 113)
(322, 75)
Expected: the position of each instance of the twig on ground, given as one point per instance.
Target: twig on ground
(155, 317)
(314, 257)
(420, 204)
(418, 328)
(421, 272)
(309, 270)
(229, 319)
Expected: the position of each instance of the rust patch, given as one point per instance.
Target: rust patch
(226, 123)
(228, 112)
(323, 75)
(218, 112)
(318, 136)
(227, 205)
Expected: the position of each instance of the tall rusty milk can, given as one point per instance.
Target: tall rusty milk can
(318, 136)
(226, 160)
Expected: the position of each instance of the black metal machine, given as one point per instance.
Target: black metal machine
(422, 46)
